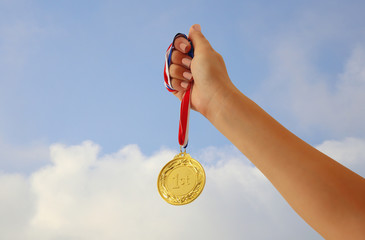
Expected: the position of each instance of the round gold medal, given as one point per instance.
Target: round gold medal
(181, 180)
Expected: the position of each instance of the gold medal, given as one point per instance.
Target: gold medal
(181, 180)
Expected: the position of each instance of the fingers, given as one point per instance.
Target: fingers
(180, 85)
(180, 72)
(181, 59)
(182, 44)
(179, 94)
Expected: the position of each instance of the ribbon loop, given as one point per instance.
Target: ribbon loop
(168, 55)
(185, 102)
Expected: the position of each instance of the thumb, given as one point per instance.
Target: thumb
(200, 43)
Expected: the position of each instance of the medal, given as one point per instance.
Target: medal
(183, 178)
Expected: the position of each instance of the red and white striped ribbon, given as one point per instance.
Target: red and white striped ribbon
(185, 103)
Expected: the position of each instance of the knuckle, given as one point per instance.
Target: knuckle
(175, 84)
(172, 69)
(218, 56)
(175, 57)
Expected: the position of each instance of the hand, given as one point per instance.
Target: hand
(327, 195)
(206, 72)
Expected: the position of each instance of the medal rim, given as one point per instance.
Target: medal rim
(200, 171)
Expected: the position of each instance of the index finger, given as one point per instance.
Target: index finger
(182, 44)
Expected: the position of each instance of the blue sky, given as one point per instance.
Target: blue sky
(76, 71)
(92, 70)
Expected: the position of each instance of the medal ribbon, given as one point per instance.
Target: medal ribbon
(185, 102)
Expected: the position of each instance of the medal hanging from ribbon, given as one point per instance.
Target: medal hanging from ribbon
(183, 178)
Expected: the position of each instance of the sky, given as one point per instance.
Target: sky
(86, 123)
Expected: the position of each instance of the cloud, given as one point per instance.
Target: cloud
(311, 101)
(81, 195)
(340, 110)
(315, 79)
(17, 206)
(350, 152)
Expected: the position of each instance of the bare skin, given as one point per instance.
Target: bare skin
(327, 195)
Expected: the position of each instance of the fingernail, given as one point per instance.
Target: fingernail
(184, 84)
(197, 27)
(186, 62)
(187, 75)
(183, 46)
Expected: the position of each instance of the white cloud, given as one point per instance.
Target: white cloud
(316, 77)
(81, 195)
(336, 106)
(16, 206)
(350, 152)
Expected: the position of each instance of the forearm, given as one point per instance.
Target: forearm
(327, 195)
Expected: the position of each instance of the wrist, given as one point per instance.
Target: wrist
(220, 101)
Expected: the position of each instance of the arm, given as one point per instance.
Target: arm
(328, 196)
